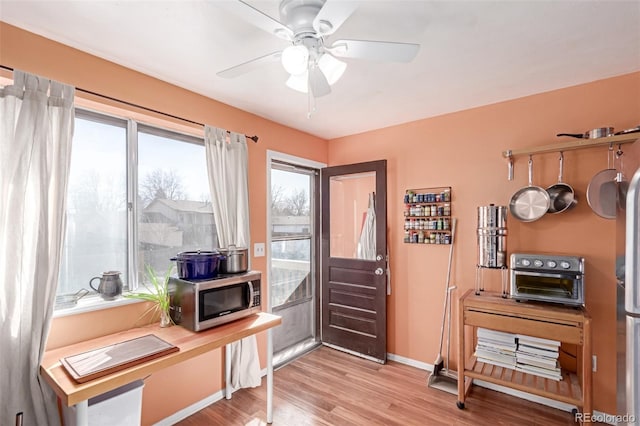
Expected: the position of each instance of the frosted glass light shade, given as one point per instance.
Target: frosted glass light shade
(299, 82)
(295, 59)
(331, 67)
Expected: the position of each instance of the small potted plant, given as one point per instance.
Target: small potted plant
(158, 294)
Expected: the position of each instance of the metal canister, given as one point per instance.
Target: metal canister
(492, 236)
(492, 216)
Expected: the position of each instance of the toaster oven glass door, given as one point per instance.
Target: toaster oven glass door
(224, 300)
(556, 286)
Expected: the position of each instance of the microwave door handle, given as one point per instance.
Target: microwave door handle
(538, 274)
(250, 294)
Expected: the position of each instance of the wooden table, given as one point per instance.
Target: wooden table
(556, 322)
(191, 344)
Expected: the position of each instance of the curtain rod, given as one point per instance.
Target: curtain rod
(253, 138)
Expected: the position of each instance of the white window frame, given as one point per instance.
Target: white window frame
(133, 126)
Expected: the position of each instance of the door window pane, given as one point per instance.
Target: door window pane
(349, 199)
(291, 233)
(174, 202)
(96, 234)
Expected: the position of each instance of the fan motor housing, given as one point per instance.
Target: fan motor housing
(298, 15)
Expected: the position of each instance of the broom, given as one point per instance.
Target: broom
(438, 364)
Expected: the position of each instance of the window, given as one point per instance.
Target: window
(119, 169)
(96, 234)
(174, 209)
(291, 240)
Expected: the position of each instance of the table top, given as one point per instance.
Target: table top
(190, 344)
(494, 301)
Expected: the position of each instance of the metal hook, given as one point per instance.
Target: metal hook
(510, 171)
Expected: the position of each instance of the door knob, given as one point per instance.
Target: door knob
(378, 271)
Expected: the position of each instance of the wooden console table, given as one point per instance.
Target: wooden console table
(564, 324)
(190, 344)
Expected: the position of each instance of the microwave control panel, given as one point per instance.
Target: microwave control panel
(256, 294)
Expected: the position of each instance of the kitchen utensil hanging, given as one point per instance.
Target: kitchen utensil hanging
(561, 195)
(531, 202)
(602, 190)
(600, 132)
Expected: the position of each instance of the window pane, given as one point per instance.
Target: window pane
(290, 212)
(96, 234)
(290, 271)
(349, 200)
(291, 231)
(174, 202)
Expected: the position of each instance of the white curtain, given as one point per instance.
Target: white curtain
(227, 165)
(367, 244)
(36, 129)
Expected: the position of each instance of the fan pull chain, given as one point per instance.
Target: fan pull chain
(311, 103)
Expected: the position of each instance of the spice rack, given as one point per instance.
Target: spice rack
(427, 215)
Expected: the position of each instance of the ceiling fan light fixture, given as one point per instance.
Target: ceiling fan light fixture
(295, 59)
(299, 82)
(331, 67)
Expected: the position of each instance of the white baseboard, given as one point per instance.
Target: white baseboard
(411, 362)
(194, 408)
(603, 417)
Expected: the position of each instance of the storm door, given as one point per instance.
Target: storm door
(354, 253)
(293, 257)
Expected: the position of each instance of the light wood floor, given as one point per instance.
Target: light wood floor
(328, 387)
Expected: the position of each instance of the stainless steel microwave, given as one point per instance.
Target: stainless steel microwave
(199, 305)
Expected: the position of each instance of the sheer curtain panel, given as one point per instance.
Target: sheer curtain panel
(227, 164)
(36, 129)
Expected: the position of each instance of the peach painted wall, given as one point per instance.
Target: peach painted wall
(463, 150)
(163, 394)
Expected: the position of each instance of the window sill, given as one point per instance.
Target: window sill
(95, 303)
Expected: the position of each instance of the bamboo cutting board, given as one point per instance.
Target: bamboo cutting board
(109, 359)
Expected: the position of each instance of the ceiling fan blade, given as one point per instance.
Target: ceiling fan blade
(250, 65)
(257, 18)
(332, 16)
(318, 83)
(375, 50)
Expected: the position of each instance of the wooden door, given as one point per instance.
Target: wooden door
(354, 281)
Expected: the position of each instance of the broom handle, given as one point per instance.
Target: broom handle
(446, 294)
(449, 290)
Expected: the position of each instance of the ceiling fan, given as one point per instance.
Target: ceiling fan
(312, 64)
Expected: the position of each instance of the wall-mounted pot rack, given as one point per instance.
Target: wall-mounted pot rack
(568, 146)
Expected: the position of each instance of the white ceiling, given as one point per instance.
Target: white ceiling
(472, 53)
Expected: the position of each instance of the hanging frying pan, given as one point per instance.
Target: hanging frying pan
(627, 131)
(602, 190)
(600, 132)
(531, 202)
(561, 195)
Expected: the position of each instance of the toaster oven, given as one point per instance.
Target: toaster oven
(547, 278)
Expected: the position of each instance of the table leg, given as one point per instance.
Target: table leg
(82, 413)
(461, 353)
(227, 371)
(269, 376)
